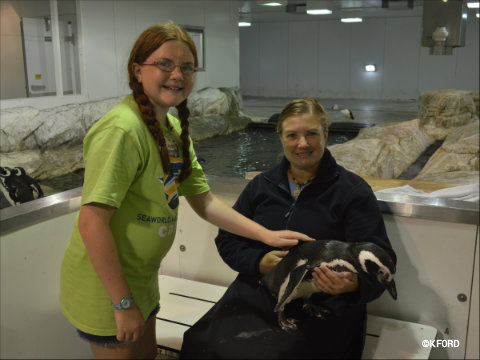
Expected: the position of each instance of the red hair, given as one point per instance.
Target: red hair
(149, 41)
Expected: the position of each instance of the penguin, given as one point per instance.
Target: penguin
(6, 198)
(292, 277)
(17, 186)
(4, 203)
(37, 191)
(347, 113)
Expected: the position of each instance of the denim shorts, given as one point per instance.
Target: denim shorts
(110, 340)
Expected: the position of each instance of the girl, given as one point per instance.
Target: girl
(138, 160)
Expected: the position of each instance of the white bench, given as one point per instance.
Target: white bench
(183, 302)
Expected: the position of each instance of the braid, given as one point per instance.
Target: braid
(147, 43)
(183, 114)
(148, 116)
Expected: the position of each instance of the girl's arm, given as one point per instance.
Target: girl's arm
(93, 224)
(215, 211)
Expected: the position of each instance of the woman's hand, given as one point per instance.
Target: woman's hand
(130, 324)
(270, 259)
(334, 283)
(284, 239)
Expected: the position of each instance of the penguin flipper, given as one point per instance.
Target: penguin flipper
(287, 291)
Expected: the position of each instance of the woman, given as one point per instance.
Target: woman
(138, 160)
(308, 192)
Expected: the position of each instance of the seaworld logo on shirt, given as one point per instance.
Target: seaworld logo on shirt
(168, 227)
(156, 219)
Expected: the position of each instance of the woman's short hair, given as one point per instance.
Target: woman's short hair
(306, 105)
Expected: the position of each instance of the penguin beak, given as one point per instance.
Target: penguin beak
(392, 289)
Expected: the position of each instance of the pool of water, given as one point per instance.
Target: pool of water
(255, 149)
(252, 149)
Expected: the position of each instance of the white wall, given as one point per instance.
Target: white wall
(325, 59)
(32, 325)
(107, 31)
(111, 27)
(12, 81)
(436, 262)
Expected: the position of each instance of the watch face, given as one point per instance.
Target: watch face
(125, 303)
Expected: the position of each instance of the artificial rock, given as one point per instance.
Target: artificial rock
(48, 143)
(216, 112)
(442, 111)
(384, 151)
(456, 162)
(371, 157)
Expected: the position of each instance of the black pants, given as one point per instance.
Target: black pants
(242, 325)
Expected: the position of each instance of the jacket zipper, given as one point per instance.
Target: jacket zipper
(295, 202)
(290, 209)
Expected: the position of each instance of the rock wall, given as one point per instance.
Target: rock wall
(383, 151)
(370, 157)
(48, 143)
(216, 112)
(442, 111)
(456, 162)
(32, 129)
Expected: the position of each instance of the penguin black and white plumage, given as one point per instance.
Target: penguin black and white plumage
(292, 277)
(5, 199)
(37, 191)
(17, 186)
(347, 113)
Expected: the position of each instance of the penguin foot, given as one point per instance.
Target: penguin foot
(287, 323)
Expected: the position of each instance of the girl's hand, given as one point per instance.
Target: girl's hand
(334, 283)
(285, 239)
(270, 259)
(130, 324)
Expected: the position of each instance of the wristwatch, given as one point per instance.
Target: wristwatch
(125, 303)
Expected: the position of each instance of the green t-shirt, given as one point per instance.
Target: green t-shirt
(123, 169)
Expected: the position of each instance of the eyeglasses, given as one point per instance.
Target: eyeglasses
(168, 66)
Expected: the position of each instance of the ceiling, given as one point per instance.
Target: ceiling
(251, 9)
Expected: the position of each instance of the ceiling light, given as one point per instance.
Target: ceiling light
(244, 23)
(318, 7)
(272, 3)
(477, 15)
(370, 68)
(473, 5)
(351, 20)
(319, 12)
